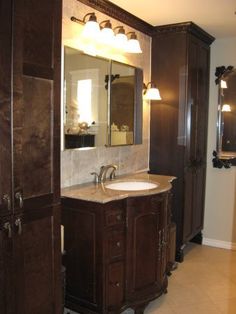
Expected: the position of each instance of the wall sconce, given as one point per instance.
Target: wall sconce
(226, 108)
(104, 33)
(151, 92)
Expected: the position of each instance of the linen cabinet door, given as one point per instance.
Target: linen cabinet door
(201, 137)
(36, 171)
(143, 266)
(33, 248)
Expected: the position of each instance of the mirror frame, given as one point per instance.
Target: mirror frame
(222, 158)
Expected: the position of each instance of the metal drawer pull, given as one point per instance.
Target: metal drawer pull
(7, 226)
(18, 224)
(19, 197)
(7, 201)
(117, 284)
(118, 244)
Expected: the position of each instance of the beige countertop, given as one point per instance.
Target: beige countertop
(100, 194)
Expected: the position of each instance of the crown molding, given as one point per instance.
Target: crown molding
(187, 27)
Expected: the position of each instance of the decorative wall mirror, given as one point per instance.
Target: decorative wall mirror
(102, 102)
(226, 125)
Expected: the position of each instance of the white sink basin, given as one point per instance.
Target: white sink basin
(131, 185)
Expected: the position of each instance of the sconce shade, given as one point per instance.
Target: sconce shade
(107, 33)
(91, 27)
(133, 45)
(120, 38)
(226, 108)
(152, 92)
(223, 84)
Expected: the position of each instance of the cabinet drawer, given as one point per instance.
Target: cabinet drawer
(115, 285)
(114, 217)
(115, 244)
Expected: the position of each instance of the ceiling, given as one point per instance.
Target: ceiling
(217, 17)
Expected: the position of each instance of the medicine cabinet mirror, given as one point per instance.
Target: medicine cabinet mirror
(102, 102)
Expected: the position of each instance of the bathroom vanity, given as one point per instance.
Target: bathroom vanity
(116, 245)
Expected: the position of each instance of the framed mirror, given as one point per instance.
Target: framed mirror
(226, 124)
(102, 102)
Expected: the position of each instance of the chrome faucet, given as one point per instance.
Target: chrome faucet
(101, 177)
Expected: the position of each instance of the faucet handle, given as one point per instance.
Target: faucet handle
(96, 176)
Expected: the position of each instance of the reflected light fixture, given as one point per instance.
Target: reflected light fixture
(223, 84)
(106, 33)
(226, 108)
(151, 92)
(133, 45)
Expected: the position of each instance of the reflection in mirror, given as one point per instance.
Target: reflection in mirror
(226, 139)
(122, 104)
(85, 99)
(102, 102)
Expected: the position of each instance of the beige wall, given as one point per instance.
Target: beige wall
(76, 165)
(220, 205)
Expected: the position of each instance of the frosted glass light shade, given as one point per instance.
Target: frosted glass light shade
(91, 29)
(120, 41)
(223, 84)
(107, 36)
(133, 46)
(226, 108)
(153, 94)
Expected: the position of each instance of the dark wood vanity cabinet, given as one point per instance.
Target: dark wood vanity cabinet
(180, 68)
(115, 253)
(30, 40)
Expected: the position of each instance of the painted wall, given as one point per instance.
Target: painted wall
(76, 165)
(220, 205)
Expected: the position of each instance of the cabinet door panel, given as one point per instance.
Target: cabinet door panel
(143, 246)
(6, 270)
(81, 249)
(34, 268)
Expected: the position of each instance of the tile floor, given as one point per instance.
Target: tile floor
(205, 283)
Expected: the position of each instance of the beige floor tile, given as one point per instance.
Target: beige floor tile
(227, 306)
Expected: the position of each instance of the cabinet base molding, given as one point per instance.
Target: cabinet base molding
(220, 244)
(197, 239)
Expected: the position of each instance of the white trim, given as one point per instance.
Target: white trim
(219, 244)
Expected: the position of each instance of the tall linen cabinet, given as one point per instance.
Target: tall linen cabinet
(180, 68)
(30, 41)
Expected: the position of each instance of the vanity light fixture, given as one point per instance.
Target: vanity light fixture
(133, 45)
(226, 108)
(103, 32)
(151, 92)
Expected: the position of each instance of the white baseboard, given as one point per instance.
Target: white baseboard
(219, 244)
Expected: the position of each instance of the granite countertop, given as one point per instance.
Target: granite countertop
(100, 194)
